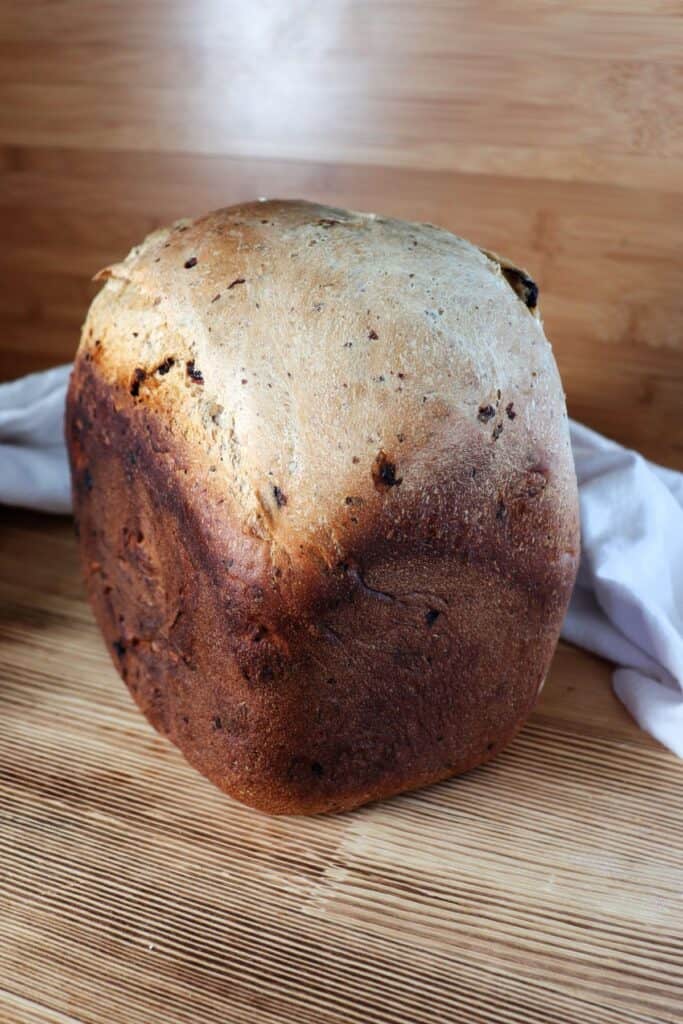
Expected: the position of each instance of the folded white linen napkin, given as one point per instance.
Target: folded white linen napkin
(628, 602)
(34, 471)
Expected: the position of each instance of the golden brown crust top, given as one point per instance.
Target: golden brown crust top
(312, 356)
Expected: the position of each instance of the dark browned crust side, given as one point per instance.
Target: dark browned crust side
(316, 685)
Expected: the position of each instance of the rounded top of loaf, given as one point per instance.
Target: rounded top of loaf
(317, 363)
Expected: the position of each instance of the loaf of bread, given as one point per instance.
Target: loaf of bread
(325, 497)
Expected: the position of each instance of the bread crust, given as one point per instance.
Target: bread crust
(326, 501)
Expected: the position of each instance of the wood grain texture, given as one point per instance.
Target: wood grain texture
(550, 133)
(546, 887)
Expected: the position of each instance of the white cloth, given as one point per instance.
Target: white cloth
(34, 471)
(628, 602)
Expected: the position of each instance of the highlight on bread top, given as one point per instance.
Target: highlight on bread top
(326, 499)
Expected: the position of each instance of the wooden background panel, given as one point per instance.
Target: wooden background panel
(545, 132)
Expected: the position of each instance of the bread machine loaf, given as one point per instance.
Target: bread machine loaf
(325, 497)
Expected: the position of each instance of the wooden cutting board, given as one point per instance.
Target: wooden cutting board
(545, 888)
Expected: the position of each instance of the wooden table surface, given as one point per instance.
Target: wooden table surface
(546, 887)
